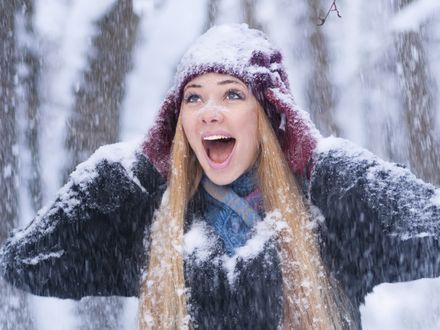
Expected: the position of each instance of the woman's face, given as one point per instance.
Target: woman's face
(219, 117)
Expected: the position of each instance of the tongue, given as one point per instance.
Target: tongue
(219, 151)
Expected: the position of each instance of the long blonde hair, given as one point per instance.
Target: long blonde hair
(310, 301)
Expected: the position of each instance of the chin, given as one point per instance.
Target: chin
(221, 179)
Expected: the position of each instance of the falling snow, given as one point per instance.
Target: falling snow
(363, 69)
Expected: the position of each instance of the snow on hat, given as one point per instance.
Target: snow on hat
(246, 54)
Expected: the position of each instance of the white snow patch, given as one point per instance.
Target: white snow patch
(436, 197)
(402, 306)
(333, 143)
(230, 46)
(316, 215)
(283, 122)
(415, 14)
(349, 149)
(67, 199)
(408, 236)
(51, 312)
(198, 241)
(7, 171)
(392, 168)
(376, 169)
(264, 231)
(130, 314)
(123, 153)
(36, 225)
(42, 256)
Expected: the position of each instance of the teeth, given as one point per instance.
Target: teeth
(216, 137)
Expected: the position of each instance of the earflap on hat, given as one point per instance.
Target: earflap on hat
(159, 140)
(296, 133)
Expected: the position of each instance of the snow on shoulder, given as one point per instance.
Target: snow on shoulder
(68, 199)
(346, 148)
(123, 153)
(408, 206)
(339, 145)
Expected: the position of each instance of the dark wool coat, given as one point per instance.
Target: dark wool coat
(377, 223)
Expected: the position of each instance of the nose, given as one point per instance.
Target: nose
(211, 114)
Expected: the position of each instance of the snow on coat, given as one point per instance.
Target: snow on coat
(379, 223)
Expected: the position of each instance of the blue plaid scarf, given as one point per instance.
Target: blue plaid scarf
(233, 210)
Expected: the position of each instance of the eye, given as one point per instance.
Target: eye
(192, 98)
(234, 94)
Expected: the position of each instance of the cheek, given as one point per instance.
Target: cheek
(188, 125)
(249, 126)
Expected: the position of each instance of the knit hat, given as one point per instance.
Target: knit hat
(246, 54)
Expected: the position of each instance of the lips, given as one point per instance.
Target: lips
(218, 148)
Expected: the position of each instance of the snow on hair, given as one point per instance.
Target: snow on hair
(312, 304)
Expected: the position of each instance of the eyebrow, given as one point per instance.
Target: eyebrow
(229, 81)
(192, 85)
(223, 82)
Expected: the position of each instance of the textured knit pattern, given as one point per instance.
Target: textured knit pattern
(234, 226)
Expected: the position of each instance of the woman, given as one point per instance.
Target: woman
(235, 213)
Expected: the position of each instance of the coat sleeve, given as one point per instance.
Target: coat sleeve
(89, 241)
(382, 224)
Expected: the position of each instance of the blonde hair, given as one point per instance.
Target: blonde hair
(163, 295)
(310, 301)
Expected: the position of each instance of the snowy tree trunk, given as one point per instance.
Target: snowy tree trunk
(419, 104)
(14, 312)
(95, 122)
(320, 91)
(212, 13)
(95, 119)
(29, 83)
(250, 13)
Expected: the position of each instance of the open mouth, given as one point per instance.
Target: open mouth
(218, 148)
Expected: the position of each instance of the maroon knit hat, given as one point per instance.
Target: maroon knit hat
(245, 54)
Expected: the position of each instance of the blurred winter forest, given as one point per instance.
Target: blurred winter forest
(77, 74)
